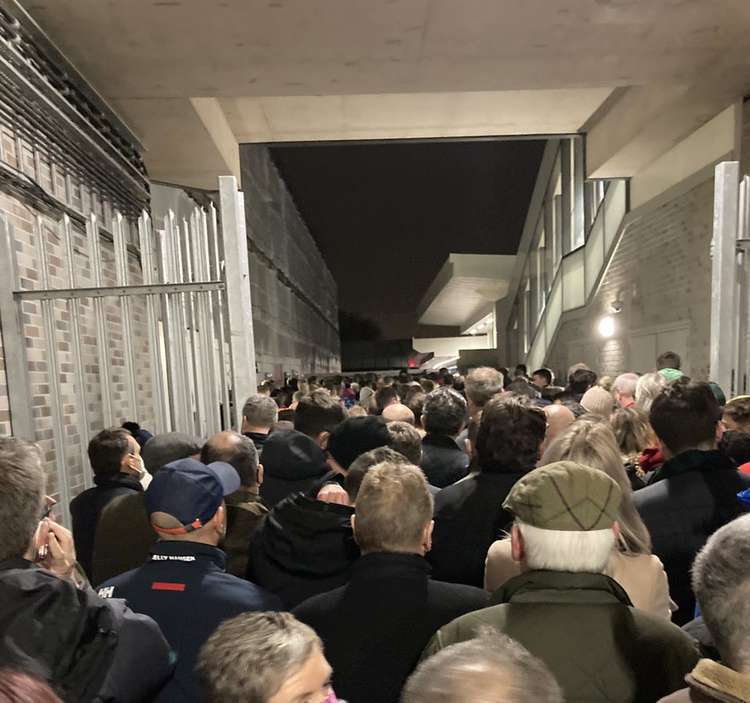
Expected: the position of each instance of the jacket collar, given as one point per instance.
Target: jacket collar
(560, 587)
(120, 479)
(693, 460)
(388, 564)
(719, 682)
(174, 551)
(441, 440)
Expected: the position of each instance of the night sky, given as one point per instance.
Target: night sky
(386, 215)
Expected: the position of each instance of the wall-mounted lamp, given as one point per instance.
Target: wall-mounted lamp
(606, 326)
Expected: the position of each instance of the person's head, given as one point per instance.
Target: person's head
(721, 582)
(480, 385)
(649, 386)
(163, 449)
(736, 414)
(522, 388)
(397, 412)
(385, 396)
(20, 687)
(415, 403)
(364, 462)
(185, 500)
(113, 452)
(598, 402)
(581, 380)
(393, 511)
(510, 433)
(237, 450)
(521, 371)
(735, 445)
(21, 495)
(264, 658)
(542, 378)
(685, 416)
(259, 414)
(357, 411)
(559, 418)
(489, 668)
(623, 389)
(574, 368)
(632, 431)
(317, 415)
(428, 384)
(668, 360)
(444, 412)
(353, 437)
(565, 518)
(406, 440)
(593, 444)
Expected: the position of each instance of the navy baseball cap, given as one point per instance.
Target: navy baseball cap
(191, 492)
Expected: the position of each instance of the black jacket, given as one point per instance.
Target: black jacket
(690, 497)
(443, 461)
(292, 462)
(86, 508)
(375, 628)
(302, 548)
(185, 589)
(469, 517)
(87, 648)
(259, 439)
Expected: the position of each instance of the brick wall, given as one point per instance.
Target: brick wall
(661, 272)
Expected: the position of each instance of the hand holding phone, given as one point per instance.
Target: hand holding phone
(55, 548)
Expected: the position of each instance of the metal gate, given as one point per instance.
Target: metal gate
(198, 318)
(730, 280)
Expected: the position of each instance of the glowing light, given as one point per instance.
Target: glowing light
(606, 326)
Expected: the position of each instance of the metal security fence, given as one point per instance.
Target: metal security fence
(188, 312)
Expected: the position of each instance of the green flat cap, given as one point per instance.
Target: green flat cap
(565, 496)
(671, 375)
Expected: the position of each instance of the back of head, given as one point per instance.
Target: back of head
(510, 433)
(249, 657)
(481, 384)
(364, 462)
(736, 446)
(581, 380)
(107, 449)
(444, 412)
(384, 397)
(593, 444)
(668, 360)
(488, 669)
(428, 384)
(235, 449)
(316, 413)
(737, 414)
(632, 431)
(649, 386)
(543, 375)
(21, 494)
(165, 448)
(415, 403)
(598, 401)
(721, 581)
(685, 416)
(406, 440)
(355, 436)
(523, 389)
(393, 509)
(397, 412)
(625, 384)
(260, 411)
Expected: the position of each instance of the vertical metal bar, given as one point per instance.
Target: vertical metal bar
(723, 274)
(146, 246)
(219, 317)
(102, 347)
(122, 277)
(14, 338)
(239, 302)
(192, 300)
(566, 197)
(579, 195)
(55, 391)
(186, 338)
(75, 323)
(743, 289)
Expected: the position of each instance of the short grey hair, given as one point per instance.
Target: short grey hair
(721, 582)
(491, 666)
(626, 384)
(482, 384)
(648, 388)
(444, 412)
(260, 411)
(21, 495)
(566, 550)
(406, 440)
(249, 657)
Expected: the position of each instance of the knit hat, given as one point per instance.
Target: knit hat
(165, 448)
(671, 375)
(598, 401)
(565, 496)
(355, 436)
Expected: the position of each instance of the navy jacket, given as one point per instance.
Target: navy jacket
(443, 461)
(86, 508)
(185, 589)
(375, 628)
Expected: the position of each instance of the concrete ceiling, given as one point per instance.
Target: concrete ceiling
(282, 70)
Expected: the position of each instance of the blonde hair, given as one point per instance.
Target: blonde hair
(593, 444)
(632, 431)
(648, 388)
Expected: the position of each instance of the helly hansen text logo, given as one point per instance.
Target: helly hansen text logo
(170, 557)
(106, 592)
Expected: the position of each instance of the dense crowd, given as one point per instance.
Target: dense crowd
(487, 538)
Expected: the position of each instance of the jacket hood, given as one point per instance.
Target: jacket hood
(292, 456)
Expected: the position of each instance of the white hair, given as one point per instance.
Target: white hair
(566, 550)
(649, 386)
(626, 384)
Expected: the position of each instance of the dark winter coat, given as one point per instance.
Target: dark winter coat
(443, 461)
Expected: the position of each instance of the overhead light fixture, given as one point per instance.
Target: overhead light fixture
(606, 326)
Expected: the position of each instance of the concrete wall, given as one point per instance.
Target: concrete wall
(295, 305)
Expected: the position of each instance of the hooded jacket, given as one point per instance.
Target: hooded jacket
(292, 462)
(303, 547)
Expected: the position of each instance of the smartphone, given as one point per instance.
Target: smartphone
(41, 541)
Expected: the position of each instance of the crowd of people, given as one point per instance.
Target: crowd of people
(487, 538)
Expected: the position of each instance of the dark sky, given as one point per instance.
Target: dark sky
(387, 215)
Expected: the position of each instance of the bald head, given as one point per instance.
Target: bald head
(398, 413)
(559, 418)
(234, 449)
